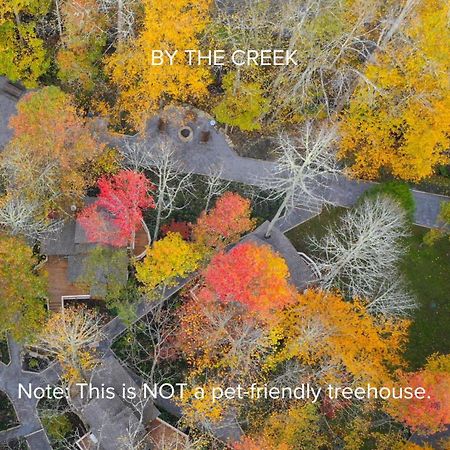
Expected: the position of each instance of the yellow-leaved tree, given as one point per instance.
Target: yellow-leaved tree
(169, 27)
(81, 45)
(72, 336)
(23, 56)
(399, 121)
(167, 260)
(47, 160)
(323, 331)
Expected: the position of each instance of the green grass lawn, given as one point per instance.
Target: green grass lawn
(314, 227)
(427, 271)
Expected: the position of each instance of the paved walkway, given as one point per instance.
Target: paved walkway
(7, 109)
(202, 158)
(10, 376)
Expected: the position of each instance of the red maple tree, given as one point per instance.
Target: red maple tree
(225, 223)
(251, 274)
(117, 213)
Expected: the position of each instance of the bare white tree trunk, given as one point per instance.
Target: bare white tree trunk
(69, 335)
(215, 186)
(303, 165)
(120, 20)
(21, 217)
(360, 255)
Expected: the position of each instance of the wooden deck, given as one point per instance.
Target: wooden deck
(141, 241)
(58, 283)
(163, 436)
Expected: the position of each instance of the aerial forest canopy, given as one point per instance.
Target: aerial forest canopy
(249, 199)
(379, 69)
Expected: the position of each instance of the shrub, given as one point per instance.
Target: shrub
(58, 426)
(398, 190)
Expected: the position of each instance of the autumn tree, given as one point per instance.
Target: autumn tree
(23, 54)
(224, 331)
(83, 37)
(22, 289)
(23, 218)
(215, 335)
(225, 222)
(117, 212)
(169, 259)
(242, 105)
(298, 427)
(105, 271)
(71, 336)
(400, 122)
(432, 413)
(332, 40)
(142, 86)
(361, 254)
(171, 181)
(338, 339)
(304, 164)
(47, 160)
(250, 274)
(224, 345)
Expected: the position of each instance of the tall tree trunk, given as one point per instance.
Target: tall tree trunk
(120, 21)
(58, 18)
(158, 222)
(276, 216)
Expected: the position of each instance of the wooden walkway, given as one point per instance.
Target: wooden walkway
(58, 282)
(141, 241)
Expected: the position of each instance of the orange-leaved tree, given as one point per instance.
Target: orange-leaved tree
(338, 338)
(216, 336)
(224, 223)
(47, 159)
(248, 443)
(142, 82)
(252, 275)
(224, 345)
(399, 120)
(432, 413)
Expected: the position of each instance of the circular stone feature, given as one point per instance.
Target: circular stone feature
(185, 134)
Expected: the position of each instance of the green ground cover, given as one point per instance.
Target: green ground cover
(427, 271)
(4, 352)
(314, 227)
(8, 418)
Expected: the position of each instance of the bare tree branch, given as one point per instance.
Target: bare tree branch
(302, 168)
